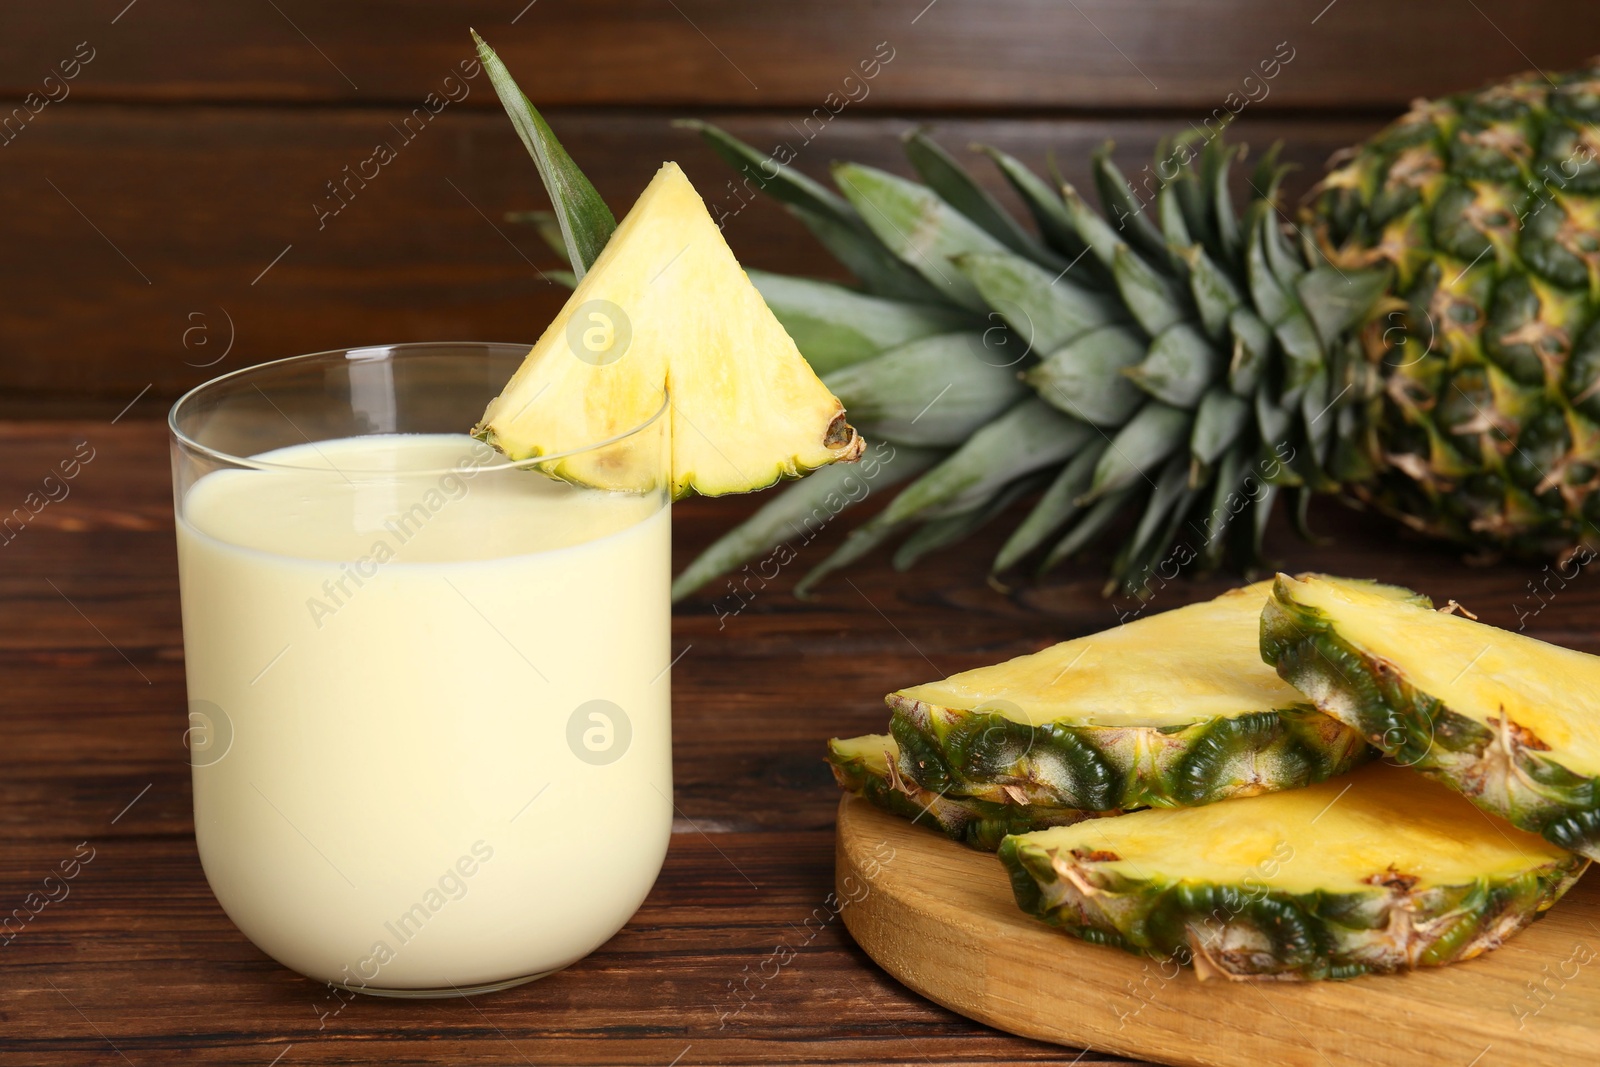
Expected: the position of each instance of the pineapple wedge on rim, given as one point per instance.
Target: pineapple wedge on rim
(867, 767)
(1511, 722)
(1171, 709)
(1378, 871)
(666, 312)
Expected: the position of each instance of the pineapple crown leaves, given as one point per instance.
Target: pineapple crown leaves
(1183, 361)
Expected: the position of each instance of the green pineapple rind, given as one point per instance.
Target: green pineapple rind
(1530, 789)
(978, 824)
(985, 755)
(1247, 931)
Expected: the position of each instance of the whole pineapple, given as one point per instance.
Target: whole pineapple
(1425, 339)
(1487, 208)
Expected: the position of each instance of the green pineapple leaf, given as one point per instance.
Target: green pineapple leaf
(784, 184)
(1047, 209)
(802, 511)
(831, 220)
(1056, 506)
(952, 182)
(948, 529)
(586, 222)
(1044, 308)
(1122, 203)
(862, 540)
(1144, 441)
(917, 225)
(1087, 377)
(1030, 436)
(836, 327)
(935, 391)
(1091, 525)
(1219, 421)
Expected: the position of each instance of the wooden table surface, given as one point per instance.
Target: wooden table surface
(138, 965)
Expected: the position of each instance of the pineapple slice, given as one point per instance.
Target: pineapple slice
(665, 311)
(1171, 709)
(867, 767)
(1511, 722)
(1379, 871)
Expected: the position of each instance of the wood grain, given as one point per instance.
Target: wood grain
(144, 241)
(92, 702)
(941, 918)
(948, 54)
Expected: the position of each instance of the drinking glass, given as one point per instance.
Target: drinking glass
(429, 692)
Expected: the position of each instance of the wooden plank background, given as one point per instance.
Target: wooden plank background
(142, 206)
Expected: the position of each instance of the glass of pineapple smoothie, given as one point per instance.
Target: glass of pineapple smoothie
(429, 687)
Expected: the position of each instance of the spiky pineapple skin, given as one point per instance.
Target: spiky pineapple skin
(1486, 426)
(1526, 787)
(979, 824)
(1248, 932)
(987, 756)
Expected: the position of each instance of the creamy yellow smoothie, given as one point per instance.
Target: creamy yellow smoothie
(414, 682)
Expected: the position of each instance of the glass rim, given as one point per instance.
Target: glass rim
(387, 351)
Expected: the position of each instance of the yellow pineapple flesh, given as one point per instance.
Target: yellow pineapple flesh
(665, 316)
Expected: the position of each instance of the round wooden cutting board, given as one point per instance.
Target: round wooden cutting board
(940, 917)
